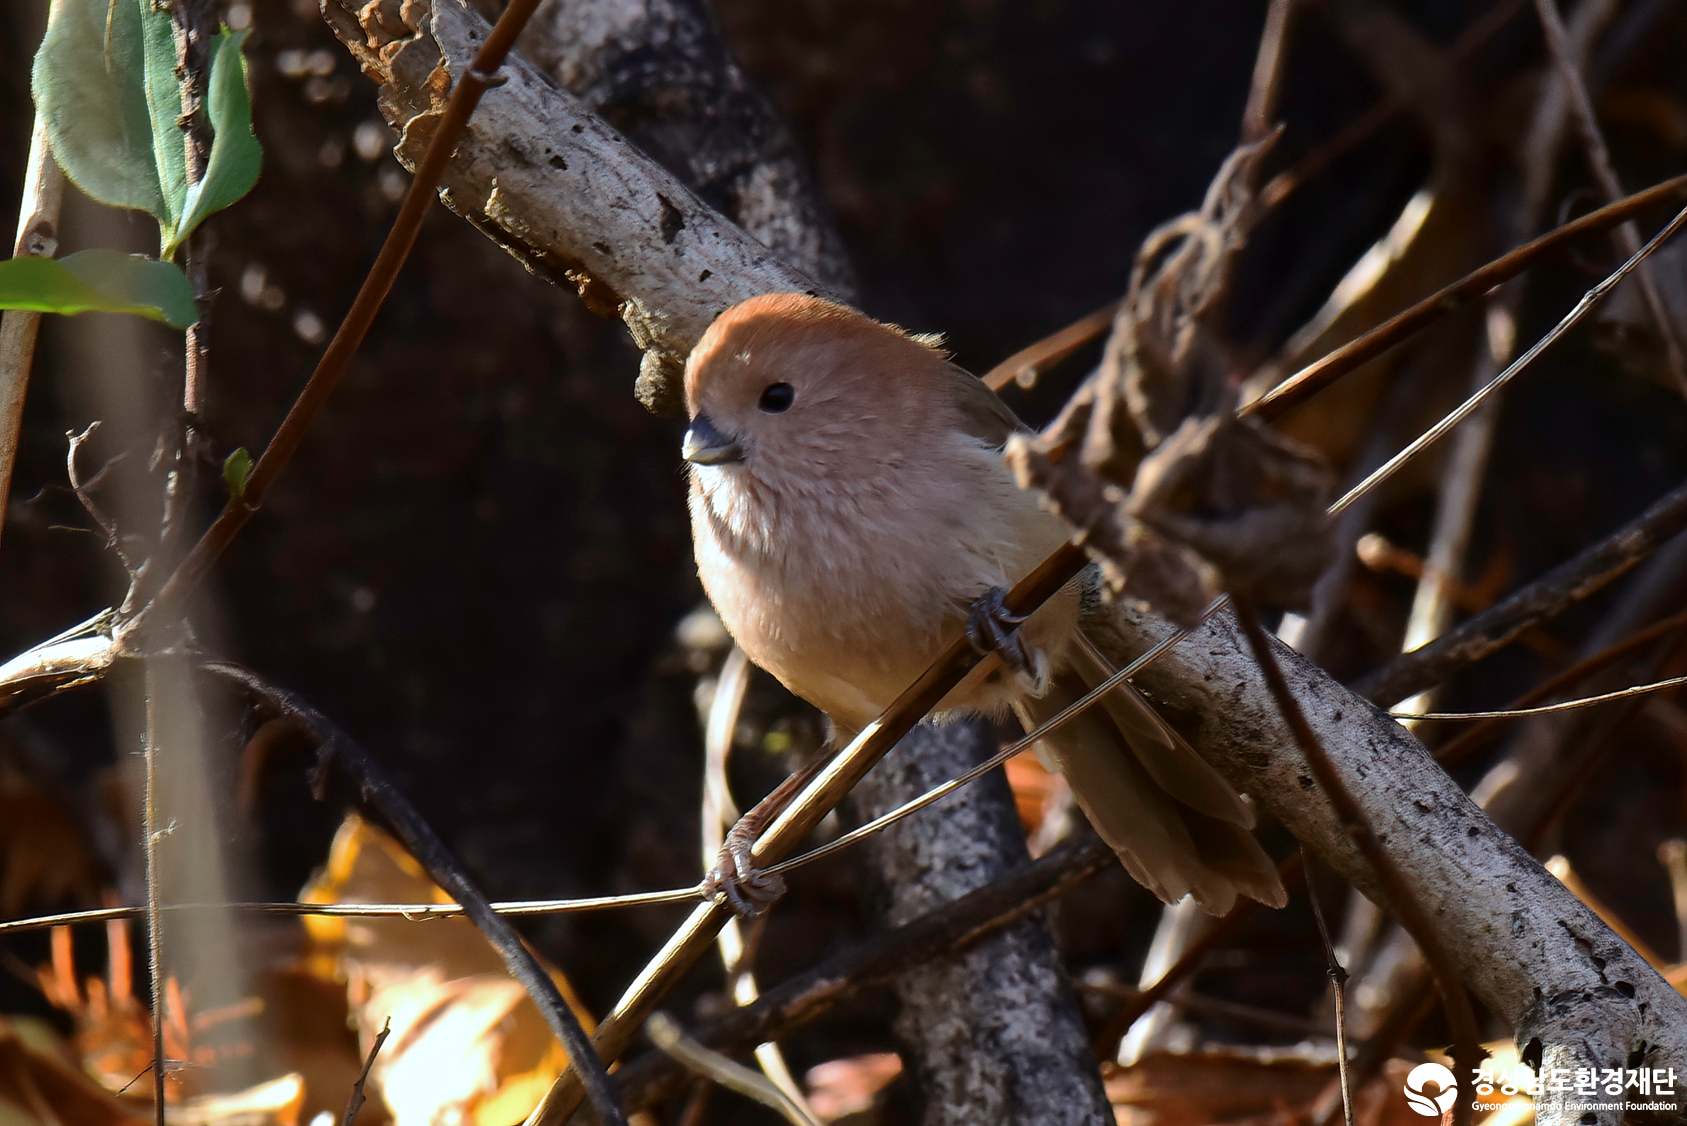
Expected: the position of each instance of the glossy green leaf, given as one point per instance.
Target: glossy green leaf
(90, 89)
(236, 155)
(236, 470)
(99, 281)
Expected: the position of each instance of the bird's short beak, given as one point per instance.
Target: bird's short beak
(705, 445)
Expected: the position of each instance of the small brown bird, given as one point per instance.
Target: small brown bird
(852, 516)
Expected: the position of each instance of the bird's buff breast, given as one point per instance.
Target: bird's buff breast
(847, 608)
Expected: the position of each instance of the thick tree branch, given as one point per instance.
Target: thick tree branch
(659, 71)
(1574, 993)
(560, 189)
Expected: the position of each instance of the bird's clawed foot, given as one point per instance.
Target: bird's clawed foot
(749, 891)
(992, 628)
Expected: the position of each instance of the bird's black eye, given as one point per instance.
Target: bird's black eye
(777, 398)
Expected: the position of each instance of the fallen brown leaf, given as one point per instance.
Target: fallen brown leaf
(467, 1044)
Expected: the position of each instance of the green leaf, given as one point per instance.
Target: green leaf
(236, 470)
(236, 155)
(105, 83)
(163, 92)
(99, 281)
(90, 89)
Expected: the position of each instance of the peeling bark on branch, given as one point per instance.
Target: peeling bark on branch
(659, 71)
(1575, 994)
(566, 194)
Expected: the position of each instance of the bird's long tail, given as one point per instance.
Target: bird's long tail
(1177, 826)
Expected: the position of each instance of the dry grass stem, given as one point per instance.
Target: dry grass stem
(1338, 986)
(667, 1035)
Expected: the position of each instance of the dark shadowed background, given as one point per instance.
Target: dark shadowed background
(478, 562)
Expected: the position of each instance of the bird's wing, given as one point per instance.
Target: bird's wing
(983, 414)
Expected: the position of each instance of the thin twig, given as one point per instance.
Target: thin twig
(481, 75)
(150, 831)
(1467, 1048)
(1455, 751)
(1413, 1005)
(737, 952)
(1551, 594)
(82, 489)
(1549, 709)
(162, 691)
(414, 912)
(1483, 395)
(1579, 768)
(1024, 366)
(1322, 372)
(1604, 174)
(355, 1103)
(667, 1035)
(1338, 986)
(338, 749)
(1260, 116)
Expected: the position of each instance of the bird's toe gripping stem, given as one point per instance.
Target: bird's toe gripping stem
(993, 628)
